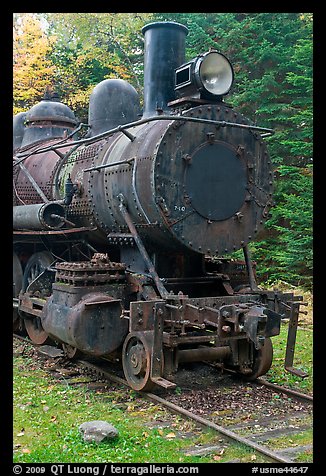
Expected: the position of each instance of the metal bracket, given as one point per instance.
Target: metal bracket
(290, 344)
(157, 361)
(151, 269)
(112, 164)
(251, 275)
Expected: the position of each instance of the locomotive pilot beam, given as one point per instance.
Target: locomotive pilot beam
(120, 236)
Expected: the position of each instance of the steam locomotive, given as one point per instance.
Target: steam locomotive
(120, 236)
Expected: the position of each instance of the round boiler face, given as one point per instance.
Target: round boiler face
(215, 181)
(212, 184)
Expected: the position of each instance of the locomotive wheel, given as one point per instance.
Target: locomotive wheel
(17, 285)
(136, 361)
(262, 360)
(71, 352)
(35, 330)
(36, 264)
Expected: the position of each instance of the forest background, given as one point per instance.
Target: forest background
(272, 57)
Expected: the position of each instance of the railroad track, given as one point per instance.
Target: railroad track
(258, 433)
(231, 433)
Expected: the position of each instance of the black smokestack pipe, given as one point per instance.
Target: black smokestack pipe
(164, 51)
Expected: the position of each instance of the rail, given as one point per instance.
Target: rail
(273, 455)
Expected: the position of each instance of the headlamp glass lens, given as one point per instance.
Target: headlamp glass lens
(216, 74)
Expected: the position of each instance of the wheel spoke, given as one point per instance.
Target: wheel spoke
(17, 285)
(36, 264)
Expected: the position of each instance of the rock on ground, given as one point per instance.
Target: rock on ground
(97, 431)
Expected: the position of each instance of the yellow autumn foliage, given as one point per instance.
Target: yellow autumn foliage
(33, 71)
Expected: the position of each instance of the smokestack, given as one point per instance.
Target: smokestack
(164, 51)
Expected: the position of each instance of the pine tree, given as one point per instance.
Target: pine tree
(272, 58)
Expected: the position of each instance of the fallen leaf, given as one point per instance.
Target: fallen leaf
(53, 418)
(170, 435)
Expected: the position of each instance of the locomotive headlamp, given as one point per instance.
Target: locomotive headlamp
(216, 73)
(208, 75)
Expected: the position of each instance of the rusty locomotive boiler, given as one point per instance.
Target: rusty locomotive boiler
(120, 236)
